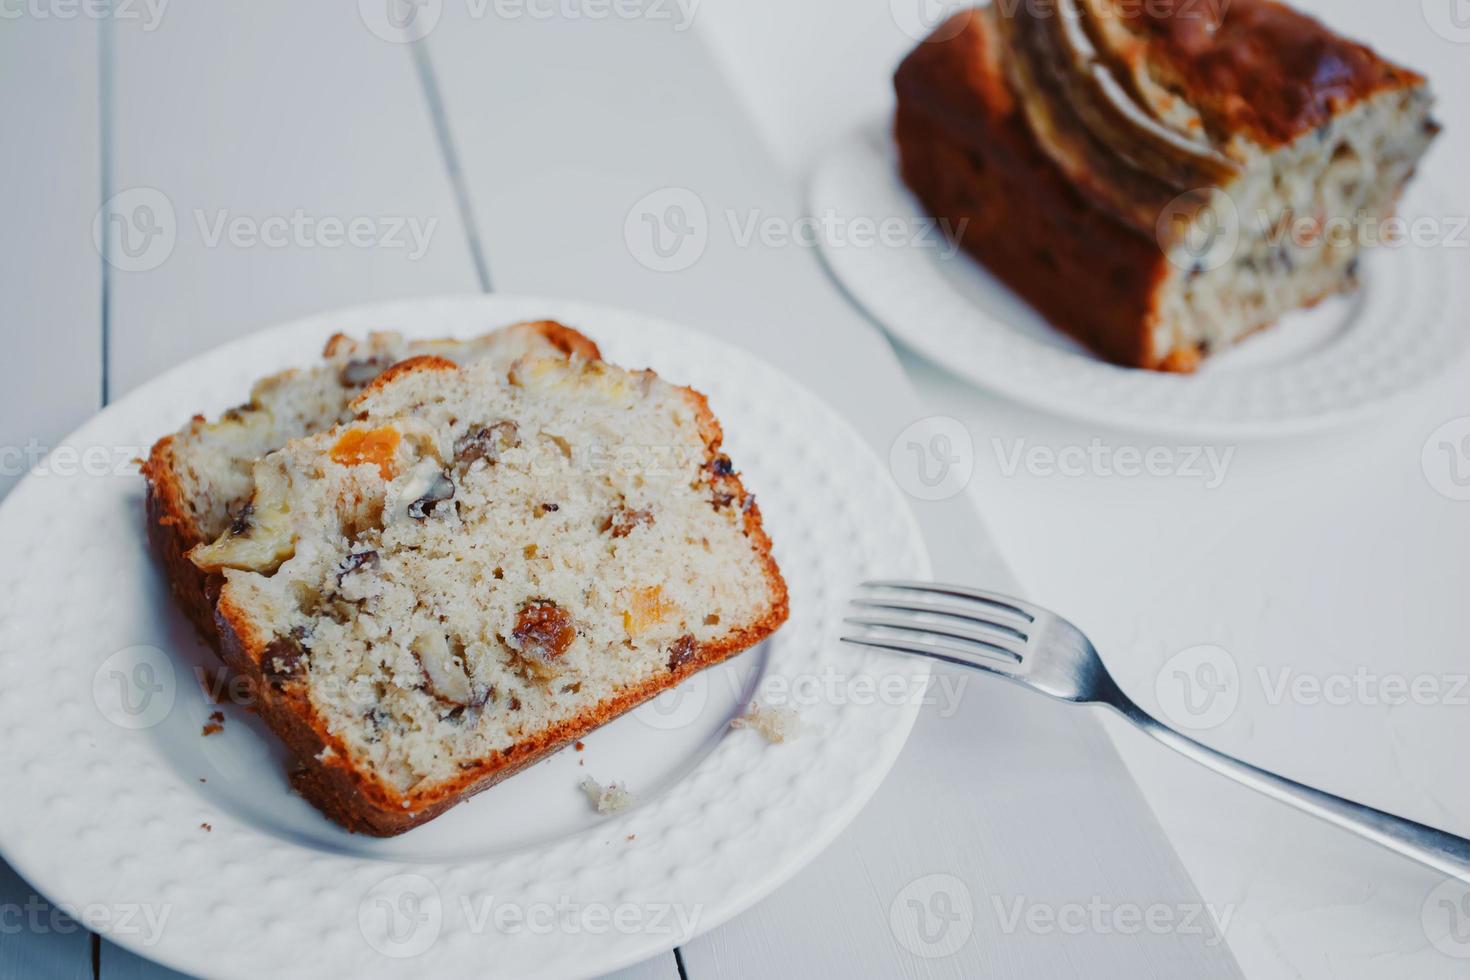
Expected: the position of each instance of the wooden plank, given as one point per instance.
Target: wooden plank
(116, 963)
(632, 131)
(293, 150)
(36, 938)
(51, 278)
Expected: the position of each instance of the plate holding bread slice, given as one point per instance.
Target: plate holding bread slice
(436, 562)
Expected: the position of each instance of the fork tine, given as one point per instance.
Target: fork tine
(931, 630)
(995, 599)
(936, 609)
(965, 656)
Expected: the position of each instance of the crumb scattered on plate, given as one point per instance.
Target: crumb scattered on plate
(216, 723)
(206, 828)
(215, 683)
(607, 799)
(776, 723)
(580, 746)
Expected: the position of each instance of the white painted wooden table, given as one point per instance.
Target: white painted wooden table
(520, 145)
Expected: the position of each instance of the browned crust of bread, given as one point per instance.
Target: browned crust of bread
(424, 362)
(965, 150)
(565, 339)
(1259, 67)
(364, 804)
(173, 531)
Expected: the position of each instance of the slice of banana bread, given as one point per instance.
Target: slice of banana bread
(1159, 179)
(482, 566)
(199, 478)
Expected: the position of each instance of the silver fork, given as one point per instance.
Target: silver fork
(1025, 643)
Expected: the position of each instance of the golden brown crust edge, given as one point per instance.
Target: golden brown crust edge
(966, 153)
(171, 527)
(566, 339)
(363, 804)
(172, 532)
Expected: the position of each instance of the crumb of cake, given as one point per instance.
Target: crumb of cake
(630, 837)
(776, 723)
(207, 828)
(607, 799)
(215, 724)
(580, 745)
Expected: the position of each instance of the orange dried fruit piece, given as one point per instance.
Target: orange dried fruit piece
(376, 446)
(648, 608)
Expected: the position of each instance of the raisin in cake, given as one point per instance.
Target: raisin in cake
(483, 565)
(199, 479)
(1102, 156)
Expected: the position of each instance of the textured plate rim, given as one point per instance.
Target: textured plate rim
(864, 273)
(46, 872)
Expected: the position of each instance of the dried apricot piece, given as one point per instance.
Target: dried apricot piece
(647, 608)
(376, 446)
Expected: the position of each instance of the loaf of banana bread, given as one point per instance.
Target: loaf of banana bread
(1161, 178)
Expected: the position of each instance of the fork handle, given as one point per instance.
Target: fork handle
(1442, 851)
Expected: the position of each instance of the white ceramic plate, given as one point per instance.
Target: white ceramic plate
(1336, 363)
(108, 779)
